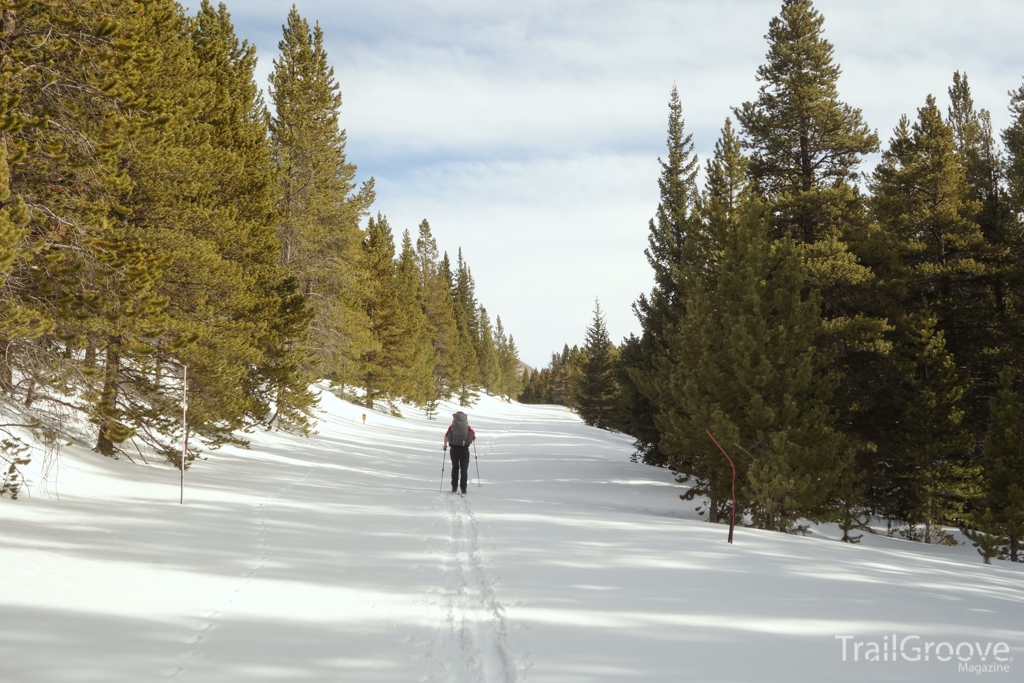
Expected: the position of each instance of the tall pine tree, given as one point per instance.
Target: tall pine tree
(319, 207)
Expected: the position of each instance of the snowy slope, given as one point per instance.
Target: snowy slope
(335, 558)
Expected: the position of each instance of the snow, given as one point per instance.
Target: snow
(336, 558)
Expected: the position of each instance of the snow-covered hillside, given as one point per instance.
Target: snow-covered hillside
(335, 558)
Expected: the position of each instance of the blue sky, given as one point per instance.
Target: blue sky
(528, 132)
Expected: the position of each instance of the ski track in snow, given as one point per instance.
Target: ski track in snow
(263, 553)
(471, 641)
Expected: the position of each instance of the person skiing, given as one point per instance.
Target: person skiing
(459, 436)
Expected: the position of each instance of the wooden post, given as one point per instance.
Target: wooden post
(184, 429)
(732, 522)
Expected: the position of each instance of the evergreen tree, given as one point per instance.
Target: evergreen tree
(565, 377)
(596, 391)
(512, 378)
(936, 470)
(319, 206)
(487, 355)
(755, 379)
(673, 244)
(535, 386)
(1004, 461)
(987, 537)
(20, 320)
(380, 362)
(1013, 140)
(240, 215)
(674, 234)
(60, 134)
(450, 353)
(125, 294)
(724, 191)
(929, 255)
(217, 250)
(805, 143)
(417, 370)
(464, 293)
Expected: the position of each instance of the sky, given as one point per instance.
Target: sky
(528, 132)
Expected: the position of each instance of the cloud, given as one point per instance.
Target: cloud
(541, 236)
(528, 132)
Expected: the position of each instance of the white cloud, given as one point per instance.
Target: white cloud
(527, 132)
(541, 236)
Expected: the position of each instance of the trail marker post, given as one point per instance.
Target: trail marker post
(184, 430)
(732, 522)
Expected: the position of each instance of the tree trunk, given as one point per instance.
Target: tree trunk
(6, 372)
(30, 394)
(108, 400)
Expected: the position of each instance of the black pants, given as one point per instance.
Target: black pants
(460, 466)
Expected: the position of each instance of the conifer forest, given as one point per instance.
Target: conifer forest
(853, 337)
(157, 215)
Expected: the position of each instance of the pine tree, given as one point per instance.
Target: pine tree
(673, 233)
(59, 136)
(379, 363)
(726, 184)
(271, 316)
(417, 370)
(512, 378)
(487, 355)
(936, 470)
(439, 308)
(754, 377)
(464, 293)
(929, 255)
(565, 376)
(319, 206)
(987, 536)
(126, 295)
(805, 144)
(19, 321)
(1013, 140)
(596, 391)
(188, 172)
(672, 245)
(1004, 461)
(988, 325)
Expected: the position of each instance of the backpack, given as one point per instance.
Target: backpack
(460, 430)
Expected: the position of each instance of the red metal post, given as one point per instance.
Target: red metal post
(732, 523)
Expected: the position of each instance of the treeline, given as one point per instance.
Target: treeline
(856, 341)
(154, 214)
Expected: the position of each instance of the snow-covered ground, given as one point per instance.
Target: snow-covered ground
(335, 558)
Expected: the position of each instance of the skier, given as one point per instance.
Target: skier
(459, 435)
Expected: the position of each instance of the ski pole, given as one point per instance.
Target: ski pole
(477, 464)
(444, 454)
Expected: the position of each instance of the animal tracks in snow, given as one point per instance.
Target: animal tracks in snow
(470, 645)
(263, 554)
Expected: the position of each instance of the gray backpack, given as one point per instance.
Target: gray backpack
(460, 430)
